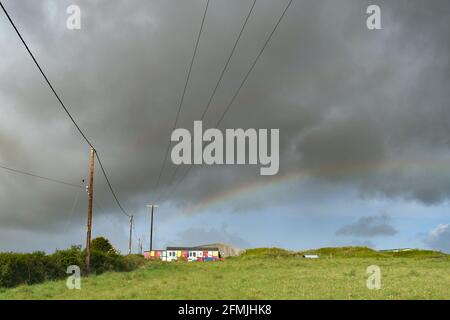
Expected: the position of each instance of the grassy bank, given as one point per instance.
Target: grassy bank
(265, 274)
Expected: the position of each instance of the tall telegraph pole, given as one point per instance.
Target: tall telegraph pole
(90, 199)
(131, 233)
(151, 224)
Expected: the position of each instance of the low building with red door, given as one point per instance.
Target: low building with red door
(184, 254)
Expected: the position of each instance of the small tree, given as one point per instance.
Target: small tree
(103, 245)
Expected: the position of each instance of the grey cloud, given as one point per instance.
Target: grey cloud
(364, 108)
(71, 232)
(368, 227)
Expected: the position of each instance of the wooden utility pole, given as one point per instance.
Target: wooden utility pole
(90, 199)
(139, 246)
(131, 233)
(151, 224)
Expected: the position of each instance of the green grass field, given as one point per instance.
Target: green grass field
(265, 274)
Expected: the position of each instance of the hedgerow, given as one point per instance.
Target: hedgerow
(31, 268)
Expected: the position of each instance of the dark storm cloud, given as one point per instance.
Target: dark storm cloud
(368, 227)
(365, 108)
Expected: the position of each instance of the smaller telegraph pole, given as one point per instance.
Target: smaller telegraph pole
(139, 246)
(90, 199)
(152, 206)
(131, 233)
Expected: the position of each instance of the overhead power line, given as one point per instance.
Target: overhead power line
(72, 210)
(254, 63)
(241, 84)
(45, 77)
(222, 73)
(182, 95)
(63, 106)
(110, 186)
(41, 177)
(228, 61)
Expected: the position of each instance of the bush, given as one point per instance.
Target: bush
(133, 261)
(18, 268)
(104, 262)
(30, 268)
(72, 256)
(101, 244)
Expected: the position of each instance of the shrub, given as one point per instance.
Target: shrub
(133, 261)
(30, 268)
(72, 256)
(103, 262)
(17, 268)
(101, 244)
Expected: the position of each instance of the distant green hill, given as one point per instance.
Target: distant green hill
(341, 252)
(265, 252)
(346, 252)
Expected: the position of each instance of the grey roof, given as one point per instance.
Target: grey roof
(225, 250)
(193, 248)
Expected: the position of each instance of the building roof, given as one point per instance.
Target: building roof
(193, 248)
(225, 250)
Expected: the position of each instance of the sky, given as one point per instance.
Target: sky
(363, 116)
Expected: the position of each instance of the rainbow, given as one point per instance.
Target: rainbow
(326, 171)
